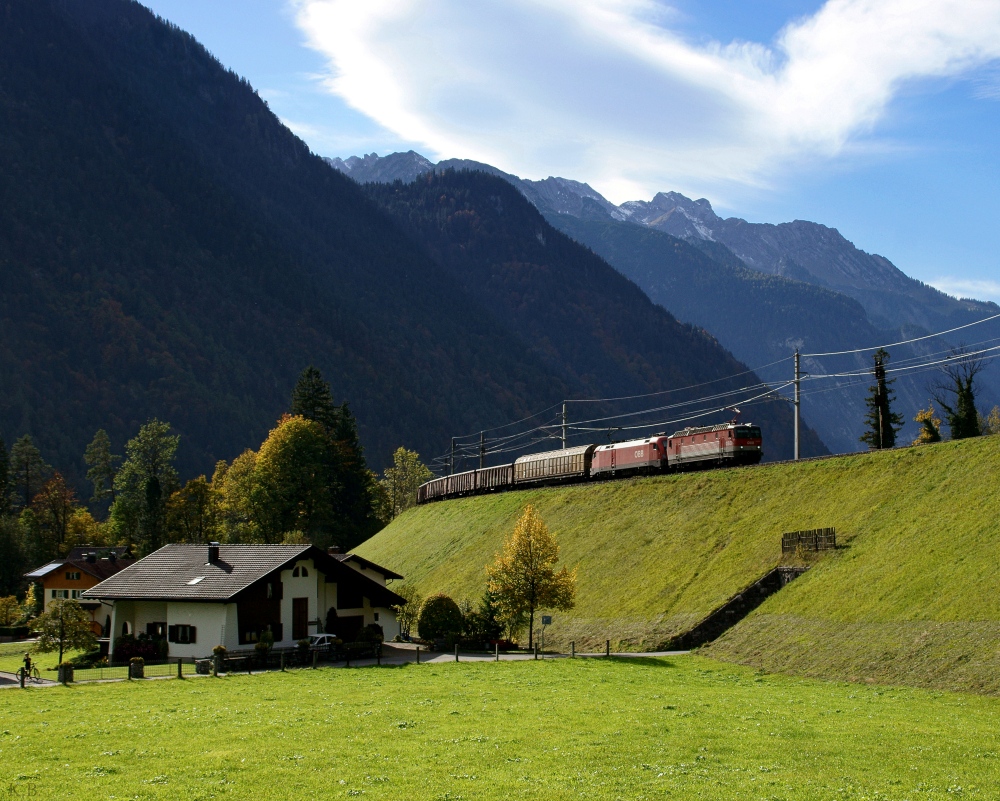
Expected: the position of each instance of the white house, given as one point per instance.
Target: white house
(200, 596)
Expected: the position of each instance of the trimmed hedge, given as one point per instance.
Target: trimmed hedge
(17, 632)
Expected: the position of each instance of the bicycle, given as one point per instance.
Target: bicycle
(29, 675)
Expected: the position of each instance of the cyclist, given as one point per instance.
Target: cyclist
(27, 665)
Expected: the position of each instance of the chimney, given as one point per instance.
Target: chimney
(213, 552)
(333, 549)
(92, 557)
(112, 557)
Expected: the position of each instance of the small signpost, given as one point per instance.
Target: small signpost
(546, 621)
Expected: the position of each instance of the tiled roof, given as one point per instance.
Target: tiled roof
(181, 572)
(353, 557)
(99, 569)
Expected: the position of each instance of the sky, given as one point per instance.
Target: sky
(880, 118)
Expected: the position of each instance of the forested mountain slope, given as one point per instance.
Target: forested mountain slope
(169, 249)
(579, 315)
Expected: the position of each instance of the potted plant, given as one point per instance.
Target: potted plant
(65, 671)
(137, 668)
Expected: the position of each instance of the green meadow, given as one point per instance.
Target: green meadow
(683, 727)
(912, 596)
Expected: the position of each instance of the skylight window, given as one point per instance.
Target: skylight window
(196, 580)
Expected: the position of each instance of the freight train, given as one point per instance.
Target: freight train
(723, 445)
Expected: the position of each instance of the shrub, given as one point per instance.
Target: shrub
(137, 660)
(219, 650)
(440, 618)
(372, 633)
(303, 645)
(128, 646)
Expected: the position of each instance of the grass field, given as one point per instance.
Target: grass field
(605, 729)
(12, 655)
(912, 597)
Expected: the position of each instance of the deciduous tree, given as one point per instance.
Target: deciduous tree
(930, 426)
(407, 612)
(64, 627)
(956, 393)
(10, 610)
(882, 424)
(53, 507)
(143, 484)
(523, 577)
(990, 424)
(192, 512)
(400, 482)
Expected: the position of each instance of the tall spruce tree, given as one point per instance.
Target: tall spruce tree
(881, 422)
(101, 462)
(352, 490)
(4, 479)
(27, 471)
(313, 400)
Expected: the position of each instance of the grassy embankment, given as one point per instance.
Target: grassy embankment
(911, 597)
(680, 728)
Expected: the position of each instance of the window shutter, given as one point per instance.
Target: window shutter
(191, 629)
(172, 633)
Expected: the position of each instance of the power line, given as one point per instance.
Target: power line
(905, 341)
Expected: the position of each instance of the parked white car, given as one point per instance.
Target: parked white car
(321, 642)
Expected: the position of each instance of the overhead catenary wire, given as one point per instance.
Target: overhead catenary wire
(905, 341)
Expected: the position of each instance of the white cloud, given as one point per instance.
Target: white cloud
(959, 287)
(605, 91)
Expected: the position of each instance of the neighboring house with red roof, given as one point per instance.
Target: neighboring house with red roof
(200, 596)
(84, 567)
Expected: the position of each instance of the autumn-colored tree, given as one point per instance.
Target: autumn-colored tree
(31, 603)
(990, 424)
(236, 517)
(523, 578)
(293, 481)
(53, 508)
(10, 610)
(400, 482)
(63, 627)
(930, 426)
(191, 512)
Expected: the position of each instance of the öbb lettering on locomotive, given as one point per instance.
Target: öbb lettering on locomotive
(723, 445)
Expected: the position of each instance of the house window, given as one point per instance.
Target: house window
(60, 593)
(182, 633)
(74, 594)
(156, 631)
(376, 617)
(126, 629)
(270, 590)
(300, 571)
(72, 575)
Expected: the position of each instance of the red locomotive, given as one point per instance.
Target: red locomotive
(726, 444)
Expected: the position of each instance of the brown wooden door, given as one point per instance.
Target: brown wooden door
(300, 618)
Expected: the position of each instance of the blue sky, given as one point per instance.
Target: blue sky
(878, 117)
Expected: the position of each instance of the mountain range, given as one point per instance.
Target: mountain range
(764, 290)
(168, 248)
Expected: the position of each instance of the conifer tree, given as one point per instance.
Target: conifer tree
(313, 400)
(881, 422)
(4, 479)
(101, 462)
(27, 471)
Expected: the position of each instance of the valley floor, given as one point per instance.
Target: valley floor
(681, 727)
